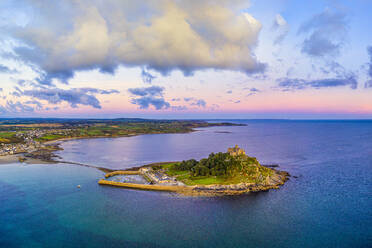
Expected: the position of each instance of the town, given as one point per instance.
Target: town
(28, 141)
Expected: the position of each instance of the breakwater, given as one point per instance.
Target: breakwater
(115, 173)
(144, 186)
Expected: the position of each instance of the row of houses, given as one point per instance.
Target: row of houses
(159, 177)
(10, 149)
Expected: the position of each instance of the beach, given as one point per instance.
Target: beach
(10, 159)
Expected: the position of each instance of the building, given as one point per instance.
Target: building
(158, 177)
(236, 151)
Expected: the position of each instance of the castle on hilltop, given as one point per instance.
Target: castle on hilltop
(235, 151)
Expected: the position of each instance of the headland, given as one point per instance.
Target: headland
(33, 140)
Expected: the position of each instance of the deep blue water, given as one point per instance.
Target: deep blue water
(329, 204)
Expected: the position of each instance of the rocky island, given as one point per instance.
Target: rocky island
(229, 173)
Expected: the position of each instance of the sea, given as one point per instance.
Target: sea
(326, 203)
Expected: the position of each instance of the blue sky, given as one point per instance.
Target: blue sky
(186, 59)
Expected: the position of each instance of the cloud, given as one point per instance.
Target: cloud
(147, 77)
(326, 33)
(147, 91)
(281, 28)
(17, 92)
(15, 108)
(279, 22)
(333, 67)
(368, 84)
(74, 96)
(369, 50)
(179, 108)
(54, 108)
(18, 107)
(199, 103)
(149, 96)
(252, 91)
(229, 92)
(299, 84)
(163, 35)
(146, 101)
(5, 69)
(37, 104)
(195, 102)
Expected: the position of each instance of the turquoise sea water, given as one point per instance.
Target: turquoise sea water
(328, 204)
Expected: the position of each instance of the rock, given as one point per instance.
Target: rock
(22, 159)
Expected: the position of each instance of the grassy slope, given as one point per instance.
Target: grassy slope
(251, 174)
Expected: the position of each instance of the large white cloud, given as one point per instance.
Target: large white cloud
(65, 36)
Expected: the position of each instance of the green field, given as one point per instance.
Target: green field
(55, 129)
(9, 137)
(50, 137)
(126, 128)
(253, 174)
(185, 176)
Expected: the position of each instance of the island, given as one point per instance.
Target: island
(223, 173)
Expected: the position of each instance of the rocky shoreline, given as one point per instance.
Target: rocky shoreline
(45, 154)
(272, 182)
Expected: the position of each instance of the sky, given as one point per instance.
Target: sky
(181, 59)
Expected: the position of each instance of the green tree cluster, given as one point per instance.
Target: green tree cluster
(217, 164)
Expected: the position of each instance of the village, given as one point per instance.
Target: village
(28, 142)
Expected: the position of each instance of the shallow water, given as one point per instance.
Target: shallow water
(328, 204)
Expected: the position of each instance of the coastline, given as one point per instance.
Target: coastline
(9, 159)
(45, 155)
(272, 182)
(54, 145)
(52, 142)
(45, 152)
(12, 159)
(194, 129)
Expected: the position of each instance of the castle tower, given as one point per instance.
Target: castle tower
(235, 151)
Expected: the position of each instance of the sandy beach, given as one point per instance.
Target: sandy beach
(10, 159)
